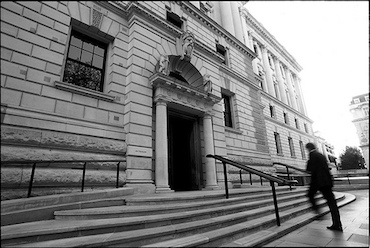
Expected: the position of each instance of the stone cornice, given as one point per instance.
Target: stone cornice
(258, 28)
(366, 118)
(282, 124)
(286, 106)
(159, 80)
(236, 75)
(196, 13)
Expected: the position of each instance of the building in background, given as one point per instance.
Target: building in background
(159, 84)
(326, 149)
(359, 108)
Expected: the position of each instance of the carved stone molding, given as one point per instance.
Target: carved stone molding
(175, 91)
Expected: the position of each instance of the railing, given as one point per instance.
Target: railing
(273, 179)
(305, 172)
(35, 162)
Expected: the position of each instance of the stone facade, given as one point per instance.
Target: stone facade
(168, 67)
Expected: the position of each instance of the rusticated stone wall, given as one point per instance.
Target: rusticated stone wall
(58, 178)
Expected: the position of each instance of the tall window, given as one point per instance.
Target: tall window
(366, 111)
(288, 97)
(296, 123)
(85, 62)
(302, 149)
(222, 50)
(227, 110)
(291, 147)
(305, 128)
(286, 119)
(272, 111)
(278, 143)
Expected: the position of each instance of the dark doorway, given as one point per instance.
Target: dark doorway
(183, 153)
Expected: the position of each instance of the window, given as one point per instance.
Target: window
(286, 119)
(276, 90)
(282, 71)
(305, 128)
(270, 61)
(296, 123)
(287, 97)
(302, 149)
(174, 19)
(291, 147)
(227, 110)
(85, 62)
(272, 111)
(278, 143)
(222, 50)
(366, 111)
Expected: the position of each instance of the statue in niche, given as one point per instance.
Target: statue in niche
(162, 66)
(207, 83)
(187, 39)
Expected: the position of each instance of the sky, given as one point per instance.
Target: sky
(330, 41)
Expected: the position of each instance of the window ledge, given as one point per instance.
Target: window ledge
(83, 91)
(233, 130)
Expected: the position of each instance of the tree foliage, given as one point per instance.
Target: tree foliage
(352, 158)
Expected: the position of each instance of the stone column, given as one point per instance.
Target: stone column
(217, 12)
(280, 81)
(251, 43)
(290, 88)
(227, 17)
(161, 150)
(237, 20)
(266, 65)
(300, 94)
(210, 164)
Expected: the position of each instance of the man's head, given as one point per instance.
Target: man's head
(310, 146)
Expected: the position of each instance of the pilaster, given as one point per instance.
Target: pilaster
(266, 65)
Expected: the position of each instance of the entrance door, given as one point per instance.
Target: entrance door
(183, 153)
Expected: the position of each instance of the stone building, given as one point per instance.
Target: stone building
(158, 84)
(359, 108)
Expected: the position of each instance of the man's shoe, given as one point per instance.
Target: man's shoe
(335, 228)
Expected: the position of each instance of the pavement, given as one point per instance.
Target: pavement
(355, 222)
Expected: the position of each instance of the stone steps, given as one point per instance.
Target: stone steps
(43, 207)
(236, 203)
(219, 220)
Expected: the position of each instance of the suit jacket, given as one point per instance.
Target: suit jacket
(320, 174)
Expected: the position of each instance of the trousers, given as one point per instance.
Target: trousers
(330, 199)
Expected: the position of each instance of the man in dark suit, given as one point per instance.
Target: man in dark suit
(322, 180)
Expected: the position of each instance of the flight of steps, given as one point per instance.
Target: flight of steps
(193, 218)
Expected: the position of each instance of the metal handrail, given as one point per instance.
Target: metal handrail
(273, 179)
(305, 172)
(34, 162)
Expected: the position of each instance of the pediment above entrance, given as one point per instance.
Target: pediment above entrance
(172, 90)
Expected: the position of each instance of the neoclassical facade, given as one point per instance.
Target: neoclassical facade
(359, 108)
(158, 84)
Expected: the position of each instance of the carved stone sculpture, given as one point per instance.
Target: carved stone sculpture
(162, 66)
(187, 39)
(207, 83)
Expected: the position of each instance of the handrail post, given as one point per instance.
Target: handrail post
(348, 179)
(83, 177)
(250, 178)
(287, 170)
(261, 181)
(275, 203)
(117, 174)
(240, 175)
(31, 180)
(225, 176)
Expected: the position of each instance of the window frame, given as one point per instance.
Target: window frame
(228, 109)
(86, 37)
(301, 146)
(272, 111)
(291, 147)
(278, 147)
